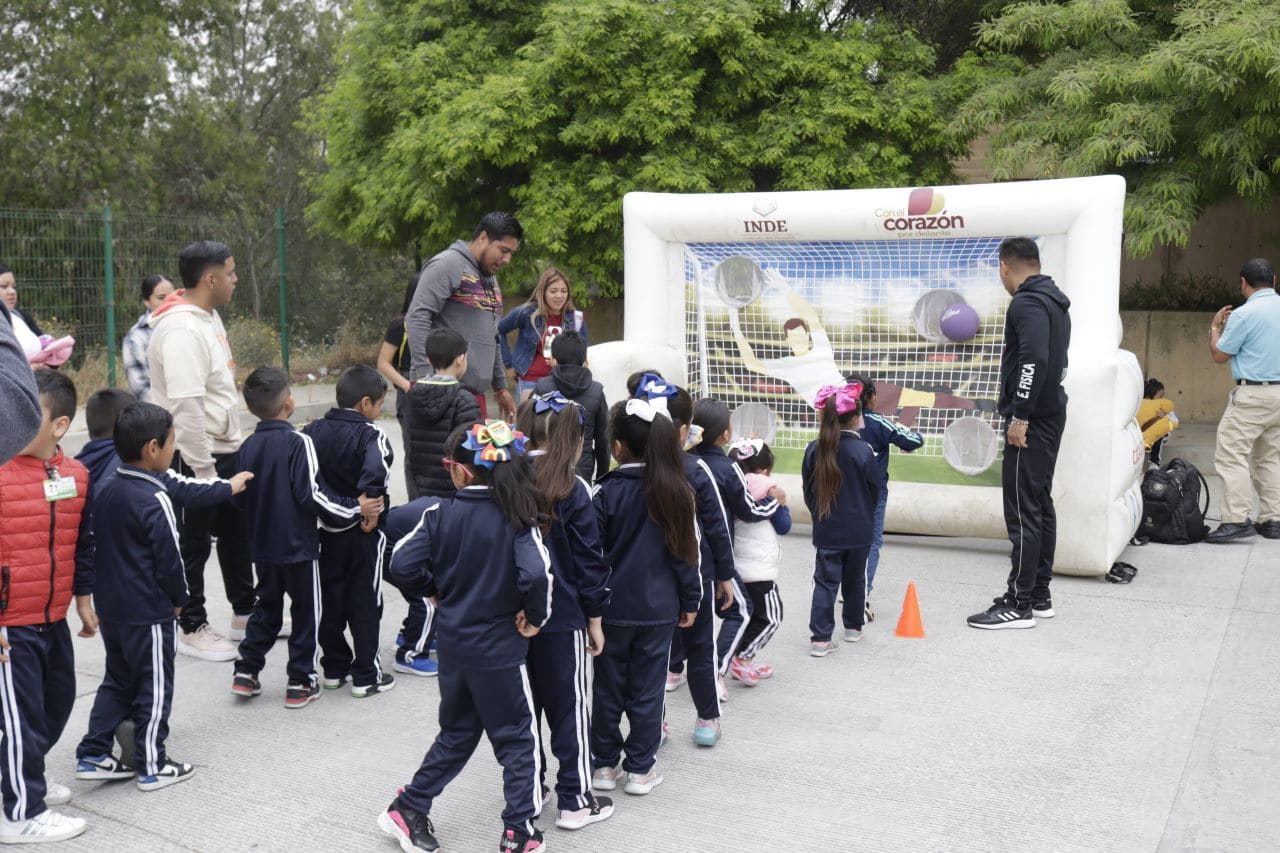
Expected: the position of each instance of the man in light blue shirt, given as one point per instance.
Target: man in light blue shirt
(1249, 433)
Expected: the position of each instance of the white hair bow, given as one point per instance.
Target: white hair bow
(645, 410)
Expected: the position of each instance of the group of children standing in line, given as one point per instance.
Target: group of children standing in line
(528, 578)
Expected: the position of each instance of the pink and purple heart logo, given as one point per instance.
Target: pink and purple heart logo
(925, 202)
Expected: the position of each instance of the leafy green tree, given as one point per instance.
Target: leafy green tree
(1183, 99)
(443, 109)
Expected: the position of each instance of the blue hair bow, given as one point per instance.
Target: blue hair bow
(652, 387)
(554, 401)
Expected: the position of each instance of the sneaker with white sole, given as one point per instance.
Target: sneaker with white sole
(102, 768)
(170, 773)
(332, 682)
(706, 732)
(299, 695)
(245, 684)
(45, 827)
(868, 614)
(206, 644)
(821, 648)
(853, 635)
(744, 672)
(411, 828)
(762, 670)
(675, 679)
(639, 784)
(1042, 609)
(607, 778)
(600, 809)
(56, 794)
(518, 841)
(415, 664)
(385, 682)
(1004, 613)
(286, 629)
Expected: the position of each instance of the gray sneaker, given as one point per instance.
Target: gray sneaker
(853, 635)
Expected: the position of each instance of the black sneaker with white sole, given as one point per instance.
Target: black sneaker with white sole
(1002, 614)
(102, 768)
(1042, 609)
(411, 829)
(601, 808)
(169, 773)
(385, 682)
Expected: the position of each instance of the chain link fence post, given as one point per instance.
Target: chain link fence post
(109, 280)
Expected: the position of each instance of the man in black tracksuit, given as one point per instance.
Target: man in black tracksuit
(1037, 333)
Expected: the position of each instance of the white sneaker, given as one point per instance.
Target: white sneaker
(238, 624)
(607, 778)
(641, 784)
(44, 827)
(853, 635)
(55, 794)
(170, 773)
(206, 644)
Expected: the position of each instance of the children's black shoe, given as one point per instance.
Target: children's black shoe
(1003, 614)
(410, 828)
(384, 683)
(601, 808)
(515, 841)
(301, 695)
(244, 684)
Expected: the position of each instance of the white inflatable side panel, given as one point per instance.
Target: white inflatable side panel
(611, 363)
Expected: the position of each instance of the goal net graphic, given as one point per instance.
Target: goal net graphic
(771, 322)
(759, 300)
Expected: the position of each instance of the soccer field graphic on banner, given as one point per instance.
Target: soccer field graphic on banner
(760, 299)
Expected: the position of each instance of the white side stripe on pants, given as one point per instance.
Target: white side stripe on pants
(533, 734)
(13, 736)
(152, 732)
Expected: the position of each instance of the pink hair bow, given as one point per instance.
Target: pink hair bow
(847, 397)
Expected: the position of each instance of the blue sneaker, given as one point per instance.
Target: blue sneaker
(415, 665)
(102, 768)
(401, 644)
(706, 732)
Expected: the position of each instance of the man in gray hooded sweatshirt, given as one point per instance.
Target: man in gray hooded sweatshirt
(457, 290)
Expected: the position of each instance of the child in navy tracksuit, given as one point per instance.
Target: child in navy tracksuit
(139, 586)
(842, 481)
(282, 509)
(480, 554)
(99, 454)
(417, 632)
(650, 541)
(713, 418)
(560, 656)
(694, 647)
(880, 432)
(355, 458)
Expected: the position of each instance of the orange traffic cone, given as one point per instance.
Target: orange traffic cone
(909, 623)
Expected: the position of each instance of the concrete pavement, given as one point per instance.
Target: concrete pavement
(1142, 717)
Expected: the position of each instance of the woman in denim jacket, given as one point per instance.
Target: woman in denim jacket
(539, 321)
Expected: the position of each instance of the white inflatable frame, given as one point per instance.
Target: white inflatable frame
(1079, 224)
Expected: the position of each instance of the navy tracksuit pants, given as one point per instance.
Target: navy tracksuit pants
(630, 678)
(560, 670)
(37, 690)
(734, 623)
(838, 571)
(418, 628)
(766, 618)
(493, 702)
(137, 686)
(695, 647)
(351, 597)
(301, 581)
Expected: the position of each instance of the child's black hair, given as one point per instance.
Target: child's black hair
(137, 424)
(569, 348)
(668, 498)
(102, 408)
(762, 460)
(265, 391)
(713, 416)
(1153, 387)
(357, 382)
(559, 436)
(511, 482)
(57, 394)
(868, 388)
(443, 348)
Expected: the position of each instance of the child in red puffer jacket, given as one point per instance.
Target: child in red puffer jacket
(45, 557)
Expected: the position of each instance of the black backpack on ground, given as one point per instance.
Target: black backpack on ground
(1171, 504)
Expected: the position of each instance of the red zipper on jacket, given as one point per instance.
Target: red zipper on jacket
(53, 529)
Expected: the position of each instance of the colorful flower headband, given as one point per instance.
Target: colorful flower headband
(745, 448)
(494, 442)
(847, 397)
(553, 401)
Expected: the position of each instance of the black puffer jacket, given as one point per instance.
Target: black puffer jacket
(435, 408)
(575, 382)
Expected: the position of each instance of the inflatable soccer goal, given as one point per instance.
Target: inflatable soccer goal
(759, 300)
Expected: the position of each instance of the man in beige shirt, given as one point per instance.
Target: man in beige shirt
(193, 376)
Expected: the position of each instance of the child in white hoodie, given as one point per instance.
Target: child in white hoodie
(757, 555)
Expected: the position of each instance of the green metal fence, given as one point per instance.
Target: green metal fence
(79, 271)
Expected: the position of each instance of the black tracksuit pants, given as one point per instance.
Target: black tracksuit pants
(301, 581)
(560, 673)
(351, 597)
(766, 618)
(1027, 479)
(493, 702)
(733, 624)
(419, 627)
(197, 527)
(630, 678)
(695, 647)
(37, 690)
(137, 686)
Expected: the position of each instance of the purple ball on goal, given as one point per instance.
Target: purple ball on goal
(959, 322)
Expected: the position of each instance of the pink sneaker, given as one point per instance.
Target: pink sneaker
(674, 680)
(762, 670)
(741, 670)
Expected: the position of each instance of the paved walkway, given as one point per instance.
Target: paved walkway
(1143, 717)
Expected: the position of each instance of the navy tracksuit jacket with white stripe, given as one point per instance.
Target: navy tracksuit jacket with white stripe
(138, 580)
(651, 588)
(282, 505)
(559, 665)
(484, 572)
(355, 458)
(733, 491)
